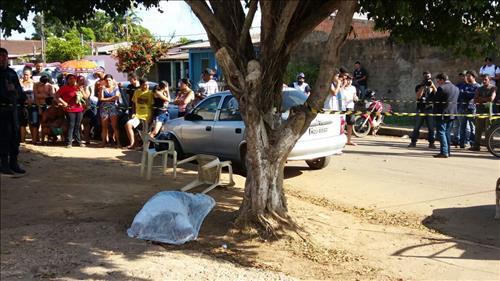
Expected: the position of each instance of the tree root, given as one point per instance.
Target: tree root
(270, 226)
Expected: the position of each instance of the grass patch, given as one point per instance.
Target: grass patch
(405, 121)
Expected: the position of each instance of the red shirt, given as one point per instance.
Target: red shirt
(68, 94)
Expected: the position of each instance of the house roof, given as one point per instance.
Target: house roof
(110, 47)
(20, 48)
(206, 44)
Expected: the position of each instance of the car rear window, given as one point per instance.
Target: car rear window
(292, 98)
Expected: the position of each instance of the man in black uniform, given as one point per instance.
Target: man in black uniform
(424, 93)
(11, 97)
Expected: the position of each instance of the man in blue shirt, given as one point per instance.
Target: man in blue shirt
(466, 106)
(456, 124)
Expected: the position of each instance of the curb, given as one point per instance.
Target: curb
(400, 132)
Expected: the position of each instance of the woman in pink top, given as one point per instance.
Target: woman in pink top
(184, 97)
(72, 97)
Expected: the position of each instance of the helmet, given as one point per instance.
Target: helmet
(369, 94)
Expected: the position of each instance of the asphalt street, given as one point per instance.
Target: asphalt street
(382, 173)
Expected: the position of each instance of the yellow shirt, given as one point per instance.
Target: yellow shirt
(143, 103)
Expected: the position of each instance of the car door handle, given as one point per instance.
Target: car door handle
(208, 128)
(237, 130)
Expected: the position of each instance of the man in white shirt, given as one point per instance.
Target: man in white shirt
(492, 70)
(207, 86)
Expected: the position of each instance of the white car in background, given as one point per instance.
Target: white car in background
(215, 127)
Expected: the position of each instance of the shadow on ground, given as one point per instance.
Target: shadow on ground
(478, 240)
(479, 222)
(70, 214)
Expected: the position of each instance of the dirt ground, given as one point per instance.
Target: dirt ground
(67, 220)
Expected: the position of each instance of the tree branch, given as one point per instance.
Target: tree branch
(338, 35)
(245, 31)
(286, 16)
(209, 21)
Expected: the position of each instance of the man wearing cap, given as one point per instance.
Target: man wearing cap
(466, 106)
(455, 127)
(207, 85)
(424, 93)
(11, 96)
(301, 85)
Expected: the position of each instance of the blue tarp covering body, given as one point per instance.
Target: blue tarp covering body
(172, 217)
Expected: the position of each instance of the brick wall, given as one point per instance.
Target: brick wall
(362, 29)
(393, 69)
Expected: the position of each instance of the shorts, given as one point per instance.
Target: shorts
(108, 110)
(34, 116)
(350, 119)
(135, 122)
(162, 118)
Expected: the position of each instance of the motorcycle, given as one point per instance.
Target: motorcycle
(372, 119)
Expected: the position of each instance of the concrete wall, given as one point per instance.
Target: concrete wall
(393, 69)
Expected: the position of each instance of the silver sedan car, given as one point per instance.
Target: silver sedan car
(215, 127)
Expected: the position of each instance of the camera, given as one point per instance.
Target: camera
(428, 82)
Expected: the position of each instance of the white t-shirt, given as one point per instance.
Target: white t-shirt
(491, 70)
(348, 95)
(331, 102)
(210, 86)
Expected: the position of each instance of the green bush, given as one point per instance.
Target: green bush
(310, 71)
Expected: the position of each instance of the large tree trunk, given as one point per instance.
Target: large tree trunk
(256, 81)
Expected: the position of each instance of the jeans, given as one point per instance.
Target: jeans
(419, 121)
(481, 126)
(74, 124)
(467, 129)
(444, 133)
(456, 135)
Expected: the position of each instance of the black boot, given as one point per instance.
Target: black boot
(14, 166)
(5, 169)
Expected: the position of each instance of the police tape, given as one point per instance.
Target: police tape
(409, 114)
(316, 111)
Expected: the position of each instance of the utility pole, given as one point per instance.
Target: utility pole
(43, 38)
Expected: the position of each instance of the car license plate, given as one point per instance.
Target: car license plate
(318, 130)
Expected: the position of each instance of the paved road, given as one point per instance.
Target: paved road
(382, 173)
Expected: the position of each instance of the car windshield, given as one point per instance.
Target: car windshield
(292, 98)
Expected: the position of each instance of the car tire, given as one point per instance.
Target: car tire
(318, 163)
(242, 165)
(178, 148)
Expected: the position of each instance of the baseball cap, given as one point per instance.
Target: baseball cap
(301, 75)
(208, 71)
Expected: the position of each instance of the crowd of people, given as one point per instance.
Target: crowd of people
(454, 105)
(76, 109)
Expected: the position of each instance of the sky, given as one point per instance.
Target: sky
(177, 19)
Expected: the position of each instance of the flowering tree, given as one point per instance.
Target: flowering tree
(140, 56)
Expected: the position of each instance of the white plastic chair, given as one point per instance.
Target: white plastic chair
(148, 155)
(209, 172)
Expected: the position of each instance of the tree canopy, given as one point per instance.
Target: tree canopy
(104, 27)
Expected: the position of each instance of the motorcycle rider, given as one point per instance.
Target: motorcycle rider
(424, 93)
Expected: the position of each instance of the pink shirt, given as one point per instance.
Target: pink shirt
(68, 94)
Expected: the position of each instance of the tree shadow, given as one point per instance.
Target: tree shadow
(474, 234)
(470, 223)
(70, 214)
